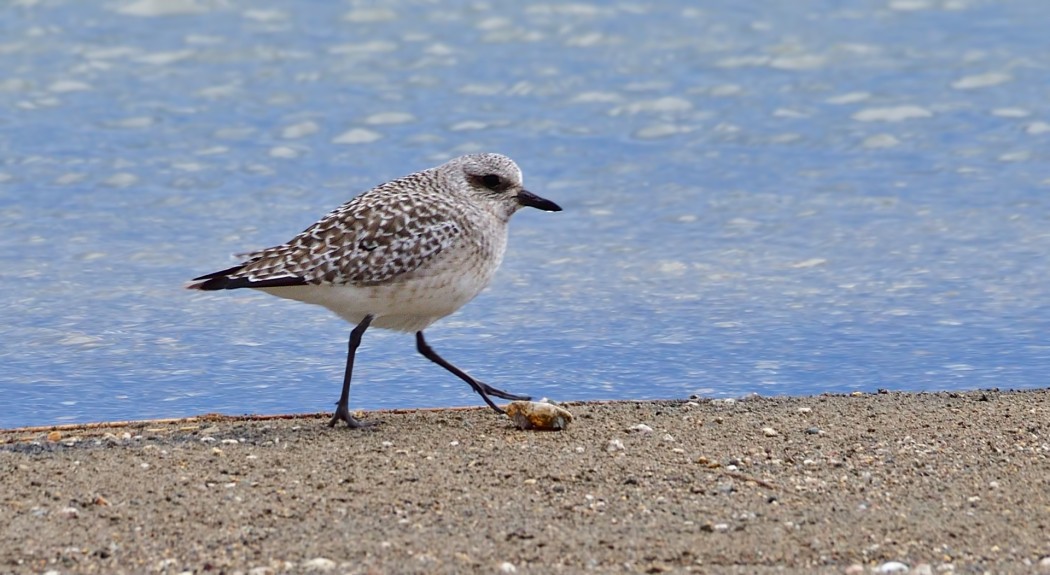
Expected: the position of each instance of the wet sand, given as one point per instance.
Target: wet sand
(938, 483)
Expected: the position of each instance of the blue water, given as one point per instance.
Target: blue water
(771, 197)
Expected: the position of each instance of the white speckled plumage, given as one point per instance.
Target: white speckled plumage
(399, 256)
(408, 252)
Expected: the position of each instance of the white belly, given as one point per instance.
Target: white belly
(407, 304)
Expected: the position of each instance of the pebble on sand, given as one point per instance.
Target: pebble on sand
(538, 416)
(319, 564)
(892, 567)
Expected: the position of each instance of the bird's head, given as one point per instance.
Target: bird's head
(496, 178)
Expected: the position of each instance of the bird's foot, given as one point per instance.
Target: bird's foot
(488, 389)
(342, 413)
(485, 390)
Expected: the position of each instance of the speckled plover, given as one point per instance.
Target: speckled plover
(399, 256)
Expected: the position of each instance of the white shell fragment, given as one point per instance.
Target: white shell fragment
(538, 416)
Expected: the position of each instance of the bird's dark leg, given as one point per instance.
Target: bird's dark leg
(342, 409)
(484, 390)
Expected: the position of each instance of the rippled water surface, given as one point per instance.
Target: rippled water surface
(771, 197)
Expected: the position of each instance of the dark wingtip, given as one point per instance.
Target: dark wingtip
(221, 280)
(209, 284)
(215, 280)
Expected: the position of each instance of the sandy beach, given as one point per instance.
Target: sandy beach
(866, 483)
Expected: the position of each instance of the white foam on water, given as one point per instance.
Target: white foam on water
(259, 169)
(798, 62)
(221, 91)
(661, 130)
(164, 58)
(493, 23)
(810, 263)
(121, 180)
(357, 136)
(909, 5)
(1011, 113)
(743, 61)
(468, 125)
(14, 85)
(588, 39)
(1016, 156)
(439, 49)
(891, 114)
(849, 98)
(300, 130)
(568, 9)
(596, 98)
(374, 47)
(65, 86)
(513, 35)
(881, 141)
(672, 267)
(981, 81)
(67, 179)
(133, 123)
(1036, 128)
(283, 152)
(204, 40)
(110, 52)
(91, 256)
(265, 15)
(369, 15)
(234, 133)
(665, 105)
(213, 150)
(382, 118)
(155, 8)
(481, 89)
(726, 91)
(189, 166)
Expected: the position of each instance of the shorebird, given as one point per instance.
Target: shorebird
(399, 256)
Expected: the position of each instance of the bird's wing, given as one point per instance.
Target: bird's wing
(370, 240)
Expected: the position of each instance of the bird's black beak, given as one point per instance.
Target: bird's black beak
(527, 198)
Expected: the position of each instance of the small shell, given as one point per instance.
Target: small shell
(538, 416)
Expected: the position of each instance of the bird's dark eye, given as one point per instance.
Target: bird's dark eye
(491, 181)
